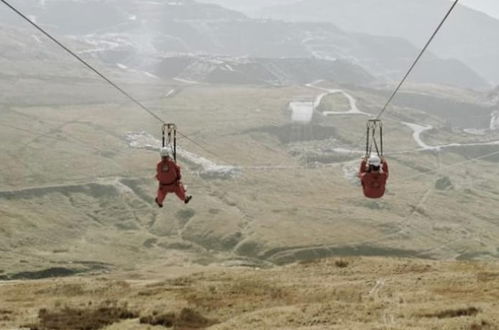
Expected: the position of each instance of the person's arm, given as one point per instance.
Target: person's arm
(179, 174)
(363, 166)
(158, 169)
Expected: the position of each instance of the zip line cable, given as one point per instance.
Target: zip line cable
(143, 107)
(109, 81)
(201, 146)
(420, 55)
(438, 170)
(416, 61)
(154, 115)
(404, 222)
(89, 66)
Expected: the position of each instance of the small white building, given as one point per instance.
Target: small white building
(301, 111)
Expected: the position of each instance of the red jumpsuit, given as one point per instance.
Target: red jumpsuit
(373, 183)
(168, 175)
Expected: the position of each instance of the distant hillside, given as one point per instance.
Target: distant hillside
(384, 57)
(94, 16)
(139, 36)
(248, 6)
(27, 58)
(261, 71)
(468, 35)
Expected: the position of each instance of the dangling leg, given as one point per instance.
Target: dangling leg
(180, 192)
(161, 196)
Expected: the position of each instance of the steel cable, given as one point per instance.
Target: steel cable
(101, 75)
(390, 99)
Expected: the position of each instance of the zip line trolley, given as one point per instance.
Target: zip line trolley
(374, 137)
(169, 139)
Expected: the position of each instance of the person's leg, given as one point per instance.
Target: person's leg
(180, 192)
(161, 195)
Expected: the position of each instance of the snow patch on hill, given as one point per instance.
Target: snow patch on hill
(207, 168)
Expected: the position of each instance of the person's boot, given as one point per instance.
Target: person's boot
(157, 202)
(187, 199)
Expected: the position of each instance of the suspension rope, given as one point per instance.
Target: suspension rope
(417, 60)
(143, 107)
(101, 75)
(89, 66)
(202, 147)
(438, 170)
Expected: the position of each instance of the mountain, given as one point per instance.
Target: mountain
(468, 35)
(384, 57)
(140, 35)
(260, 71)
(75, 17)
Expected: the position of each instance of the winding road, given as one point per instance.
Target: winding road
(417, 129)
(420, 129)
(354, 110)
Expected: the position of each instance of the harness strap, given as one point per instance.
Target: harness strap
(371, 140)
(171, 183)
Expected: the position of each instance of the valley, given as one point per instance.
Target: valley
(272, 122)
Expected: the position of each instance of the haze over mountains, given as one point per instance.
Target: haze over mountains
(468, 36)
(141, 35)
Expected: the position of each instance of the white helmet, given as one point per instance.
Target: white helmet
(374, 160)
(164, 152)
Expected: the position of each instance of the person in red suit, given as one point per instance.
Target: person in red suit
(169, 176)
(373, 175)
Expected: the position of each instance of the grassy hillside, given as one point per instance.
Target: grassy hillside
(75, 195)
(275, 196)
(350, 293)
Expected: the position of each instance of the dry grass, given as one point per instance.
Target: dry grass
(80, 319)
(186, 319)
(369, 293)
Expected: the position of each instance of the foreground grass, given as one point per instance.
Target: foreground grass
(349, 293)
